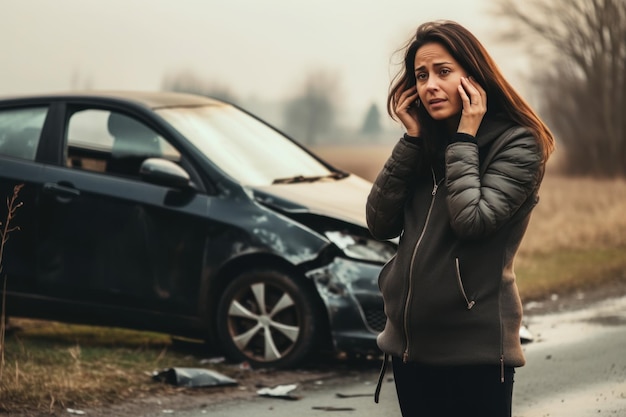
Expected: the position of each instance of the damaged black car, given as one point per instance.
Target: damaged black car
(186, 215)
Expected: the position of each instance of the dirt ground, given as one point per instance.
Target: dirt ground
(324, 371)
(249, 382)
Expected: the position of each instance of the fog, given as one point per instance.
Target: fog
(257, 49)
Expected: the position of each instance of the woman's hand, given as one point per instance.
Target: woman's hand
(406, 110)
(474, 99)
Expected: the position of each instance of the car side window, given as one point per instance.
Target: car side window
(20, 131)
(112, 142)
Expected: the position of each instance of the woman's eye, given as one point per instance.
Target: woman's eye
(445, 71)
(420, 76)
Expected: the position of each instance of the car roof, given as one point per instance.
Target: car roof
(150, 99)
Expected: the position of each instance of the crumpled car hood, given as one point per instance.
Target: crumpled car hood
(343, 199)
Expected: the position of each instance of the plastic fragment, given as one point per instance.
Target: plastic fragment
(192, 377)
(279, 391)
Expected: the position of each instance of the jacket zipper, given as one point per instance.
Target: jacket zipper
(405, 355)
(469, 303)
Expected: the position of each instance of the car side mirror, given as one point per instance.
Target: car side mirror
(163, 172)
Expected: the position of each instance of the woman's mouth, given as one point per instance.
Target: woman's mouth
(436, 101)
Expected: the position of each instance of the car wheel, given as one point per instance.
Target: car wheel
(267, 319)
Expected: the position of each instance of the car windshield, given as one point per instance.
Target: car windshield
(248, 150)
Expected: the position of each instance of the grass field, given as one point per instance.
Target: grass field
(576, 240)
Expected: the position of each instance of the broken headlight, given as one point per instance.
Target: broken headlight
(362, 248)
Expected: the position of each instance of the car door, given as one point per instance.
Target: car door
(109, 240)
(20, 182)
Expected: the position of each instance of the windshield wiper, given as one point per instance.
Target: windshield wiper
(301, 178)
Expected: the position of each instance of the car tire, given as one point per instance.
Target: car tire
(267, 319)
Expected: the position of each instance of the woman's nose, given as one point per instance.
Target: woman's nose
(431, 84)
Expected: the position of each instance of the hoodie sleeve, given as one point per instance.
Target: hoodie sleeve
(479, 204)
(385, 203)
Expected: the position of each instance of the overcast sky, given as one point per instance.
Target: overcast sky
(256, 48)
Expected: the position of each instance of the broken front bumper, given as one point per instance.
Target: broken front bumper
(354, 304)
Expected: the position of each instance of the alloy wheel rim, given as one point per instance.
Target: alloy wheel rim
(264, 322)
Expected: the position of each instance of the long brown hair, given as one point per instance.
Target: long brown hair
(502, 99)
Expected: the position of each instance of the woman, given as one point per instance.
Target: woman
(458, 189)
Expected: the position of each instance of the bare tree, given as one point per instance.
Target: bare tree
(371, 124)
(311, 113)
(580, 76)
(5, 230)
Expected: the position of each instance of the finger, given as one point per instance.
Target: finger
(409, 100)
(465, 98)
(475, 84)
(477, 90)
(481, 90)
(470, 90)
(406, 94)
(406, 100)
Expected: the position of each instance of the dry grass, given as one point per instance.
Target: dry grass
(577, 213)
(576, 239)
(53, 366)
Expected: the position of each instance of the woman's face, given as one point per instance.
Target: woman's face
(438, 76)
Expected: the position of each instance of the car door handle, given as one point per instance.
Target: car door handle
(63, 191)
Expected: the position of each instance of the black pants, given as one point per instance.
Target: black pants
(439, 391)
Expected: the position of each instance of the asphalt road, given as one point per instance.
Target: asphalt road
(576, 367)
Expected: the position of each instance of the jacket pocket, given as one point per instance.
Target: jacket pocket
(469, 303)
